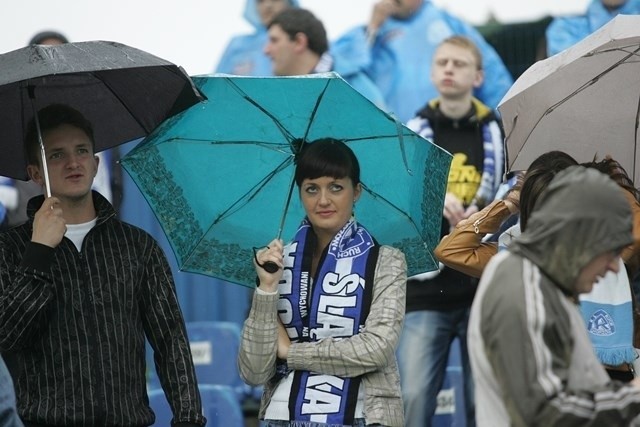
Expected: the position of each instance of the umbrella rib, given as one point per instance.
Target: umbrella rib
(252, 192)
(315, 110)
(577, 91)
(264, 144)
(235, 206)
(400, 211)
(592, 81)
(121, 101)
(243, 94)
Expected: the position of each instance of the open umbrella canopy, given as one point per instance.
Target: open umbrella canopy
(584, 101)
(218, 175)
(124, 92)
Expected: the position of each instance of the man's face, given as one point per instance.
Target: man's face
(454, 71)
(406, 8)
(613, 4)
(70, 162)
(595, 270)
(268, 9)
(282, 51)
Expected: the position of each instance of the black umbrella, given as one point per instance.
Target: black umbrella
(124, 92)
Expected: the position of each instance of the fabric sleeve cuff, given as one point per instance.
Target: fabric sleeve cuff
(38, 257)
(261, 292)
(296, 356)
(265, 306)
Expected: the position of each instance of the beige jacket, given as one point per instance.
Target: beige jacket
(370, 353)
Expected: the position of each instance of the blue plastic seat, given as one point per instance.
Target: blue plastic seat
(219, 406)
(160, 407)
(214, 346)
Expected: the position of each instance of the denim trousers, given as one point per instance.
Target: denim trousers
(423, 354)
(358, 422)
(8, 413)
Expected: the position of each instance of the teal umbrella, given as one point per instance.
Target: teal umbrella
(219, 175)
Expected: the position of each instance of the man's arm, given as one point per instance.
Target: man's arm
(25, 282)
(166, 331)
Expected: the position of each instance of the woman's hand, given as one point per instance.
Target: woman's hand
(271, 253)
(283, 342)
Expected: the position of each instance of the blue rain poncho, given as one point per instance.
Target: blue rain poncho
(244, 54)
(399, 60)
(564, 32)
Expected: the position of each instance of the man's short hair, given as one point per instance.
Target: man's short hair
(51, 117)
(46, 35)
(465, 43)
(296, 20)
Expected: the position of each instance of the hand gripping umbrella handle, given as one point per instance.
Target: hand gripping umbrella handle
(270, 267)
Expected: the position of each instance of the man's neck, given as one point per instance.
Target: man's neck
(306, 64)
(78, 211)
(455, 108)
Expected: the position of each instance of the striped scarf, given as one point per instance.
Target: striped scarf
(334, 305)
(492, 144)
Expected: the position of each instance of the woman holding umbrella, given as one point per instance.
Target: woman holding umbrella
(323, 329)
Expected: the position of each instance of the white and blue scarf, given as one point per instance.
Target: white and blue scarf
(608, 313)
(335, 304)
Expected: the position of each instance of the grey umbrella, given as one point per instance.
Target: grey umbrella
(125, 92)
(584, 101)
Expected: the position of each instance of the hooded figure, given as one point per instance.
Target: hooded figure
(564, 32)
(532, 361)
(244, 55)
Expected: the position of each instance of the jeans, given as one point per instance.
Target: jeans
(358, 422)
(423, 353)
(8, 413)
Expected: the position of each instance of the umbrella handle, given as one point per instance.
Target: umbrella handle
(270, 267)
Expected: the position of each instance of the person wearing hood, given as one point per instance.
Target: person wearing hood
(564, 32)
(244, 55)
(395, 49)
(298, 44)
(532, 361)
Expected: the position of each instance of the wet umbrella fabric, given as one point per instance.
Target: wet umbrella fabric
(217, 175)
(584, 101)
(124, 92)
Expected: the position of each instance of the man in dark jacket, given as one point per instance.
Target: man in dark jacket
(79, 291)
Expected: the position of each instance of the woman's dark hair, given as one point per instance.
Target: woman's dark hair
(326, 157)
(537, 178)
(615, 171)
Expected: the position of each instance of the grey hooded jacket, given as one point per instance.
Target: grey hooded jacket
(532, 361)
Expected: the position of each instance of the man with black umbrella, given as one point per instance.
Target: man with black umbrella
(80, 290)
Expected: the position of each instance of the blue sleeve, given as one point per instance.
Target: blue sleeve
(353, 48)
(367, 88)
(565, 32)
(227, 60)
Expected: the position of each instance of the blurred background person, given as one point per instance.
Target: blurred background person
(298, 44)
(244, 55)
(564, 32)
(396, 47)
